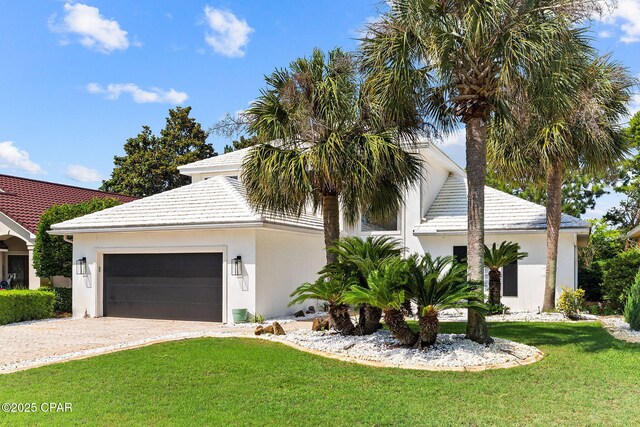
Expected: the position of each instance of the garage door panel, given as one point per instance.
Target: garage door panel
(151, 293)
(163, 286)
(172, 311)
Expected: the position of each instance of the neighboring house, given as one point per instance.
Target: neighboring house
(22, 203)
(175, 255)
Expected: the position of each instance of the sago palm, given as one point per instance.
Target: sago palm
(495, 258)
(546, 140)
(331, 291)
(357, 258)
(437, 284)
(386, 290)
(324, 146)
(453, 62)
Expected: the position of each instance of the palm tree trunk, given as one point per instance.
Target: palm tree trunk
(554, 218)
(399, 328)
(369, 321)
(495, 287)
(331, 219)
(476, 144)
(429, 327)
(341, 319)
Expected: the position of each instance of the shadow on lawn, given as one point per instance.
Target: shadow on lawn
(589, 336)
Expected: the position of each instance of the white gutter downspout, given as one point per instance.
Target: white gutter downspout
(67, 238)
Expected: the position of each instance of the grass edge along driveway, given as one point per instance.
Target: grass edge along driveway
(587, 378)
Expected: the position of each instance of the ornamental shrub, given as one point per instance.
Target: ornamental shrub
(570, 302)
(632, 308)
(619, 275)
(63, 302)
(18, 306)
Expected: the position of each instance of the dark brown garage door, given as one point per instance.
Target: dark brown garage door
(164, 286)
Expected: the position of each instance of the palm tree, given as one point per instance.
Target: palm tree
(357, 258)
(386, 290)
(455, 61)
(494, 259)
(331, 291)
(548, 140)
(329, 148)
(437, 284)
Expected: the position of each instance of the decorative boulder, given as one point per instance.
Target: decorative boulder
(299, 313)
(278, 329)
(264, 330)
(275, 329)
(320, 324)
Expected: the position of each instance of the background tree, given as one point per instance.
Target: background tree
(330, 148)
(240, 143)
(461, 58)
(627, 214)
(52, 256)
(580, 132)
(605, 243)
(150, 164)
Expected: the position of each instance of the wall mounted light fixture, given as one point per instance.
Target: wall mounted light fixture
(236, 266)
(81, 266)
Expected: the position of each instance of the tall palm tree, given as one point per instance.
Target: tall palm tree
(455, 60)
(386, 290)
(495, 258)
(330, 148)
(547, 139)
(356, 259)
(437, 284)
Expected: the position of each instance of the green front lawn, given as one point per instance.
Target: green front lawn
(587, 378)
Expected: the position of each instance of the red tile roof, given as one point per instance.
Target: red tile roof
(25, 200)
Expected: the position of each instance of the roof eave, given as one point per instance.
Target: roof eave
(436, 232)
(180, 227)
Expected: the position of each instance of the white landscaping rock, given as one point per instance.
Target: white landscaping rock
(450, 350)
(620, 329)
(282, 321)
(460, 315)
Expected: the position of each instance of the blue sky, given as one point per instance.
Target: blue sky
(79, 78)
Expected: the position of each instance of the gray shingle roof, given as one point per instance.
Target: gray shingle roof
(503, 211)
(219, 201)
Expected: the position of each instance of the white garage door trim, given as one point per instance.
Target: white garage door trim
(100, 252)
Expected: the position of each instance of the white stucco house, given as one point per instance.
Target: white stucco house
(200, 251)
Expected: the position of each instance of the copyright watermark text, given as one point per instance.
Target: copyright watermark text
(26, 407)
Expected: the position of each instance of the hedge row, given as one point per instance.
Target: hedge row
(63, 298)
(18, 306)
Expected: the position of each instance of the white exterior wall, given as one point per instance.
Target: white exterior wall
(531, 270)
(238, 292)
(416, 202)
(285, 260)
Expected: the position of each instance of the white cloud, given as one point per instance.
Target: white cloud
(83, 173)
(13, 158)
(457, 137)
(229, 35)
(626, 17)
(93, 30)
(140, 96)
(605, 34)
